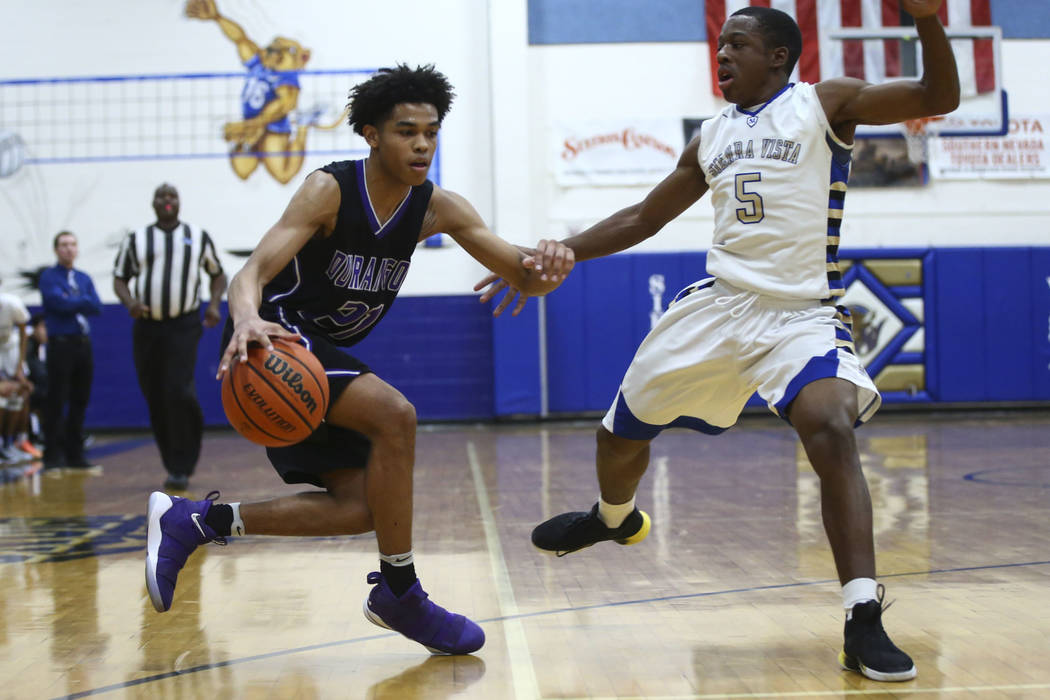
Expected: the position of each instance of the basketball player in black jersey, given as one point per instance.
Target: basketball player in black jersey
(326, 273)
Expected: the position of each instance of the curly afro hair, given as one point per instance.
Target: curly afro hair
(372, 101)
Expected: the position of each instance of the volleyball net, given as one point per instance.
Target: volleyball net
(164, 116)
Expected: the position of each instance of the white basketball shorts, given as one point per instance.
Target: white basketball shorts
(8, 369)
(9, 352)
(716, 345)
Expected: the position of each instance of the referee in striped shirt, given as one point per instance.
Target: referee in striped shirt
(167, 259)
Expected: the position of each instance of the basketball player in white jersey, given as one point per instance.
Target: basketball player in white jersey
(776, 162)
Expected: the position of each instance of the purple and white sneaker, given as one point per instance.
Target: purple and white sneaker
(420, 619)
(174, 528)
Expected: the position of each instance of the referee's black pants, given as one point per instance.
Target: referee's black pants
(70, 369)
(165, 358)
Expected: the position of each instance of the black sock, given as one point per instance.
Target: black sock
(219, 518)
(399, 578)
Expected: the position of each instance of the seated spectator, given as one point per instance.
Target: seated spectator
(36, 373)
(13, 318)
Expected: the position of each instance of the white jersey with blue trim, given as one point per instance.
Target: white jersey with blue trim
(777, 175)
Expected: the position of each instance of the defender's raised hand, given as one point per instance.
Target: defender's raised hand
(552, 259)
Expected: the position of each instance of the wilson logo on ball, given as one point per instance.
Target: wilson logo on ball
(276, 397)
(292, 379)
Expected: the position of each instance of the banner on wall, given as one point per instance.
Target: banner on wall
(1024, 152)
(616, 151)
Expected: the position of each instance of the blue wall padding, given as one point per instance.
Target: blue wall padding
(955, 304)
(116, 401)
(1009, 367)
(612, 332)
(988, 311)
(436, 350)
(987, 314)
(932, 339)
(597, 319)
(515, 361)
(1039, 293)
(567, 343)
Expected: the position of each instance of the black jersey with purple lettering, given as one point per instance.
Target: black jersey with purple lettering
(340, 286)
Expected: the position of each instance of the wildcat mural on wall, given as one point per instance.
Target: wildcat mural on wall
(272, 129)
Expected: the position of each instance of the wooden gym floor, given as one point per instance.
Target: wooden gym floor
(732, 595)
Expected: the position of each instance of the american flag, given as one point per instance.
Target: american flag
(874, 61)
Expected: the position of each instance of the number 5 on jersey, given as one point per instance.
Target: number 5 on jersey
(752, 211)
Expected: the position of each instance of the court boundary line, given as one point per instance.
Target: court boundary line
(892, 691)
(522, 670)
(709, 594)
(980, 477)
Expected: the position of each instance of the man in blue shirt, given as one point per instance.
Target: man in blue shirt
(69, 297)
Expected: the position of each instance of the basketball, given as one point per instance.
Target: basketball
(278, 397)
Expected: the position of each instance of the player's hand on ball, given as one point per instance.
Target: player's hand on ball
(253, 330)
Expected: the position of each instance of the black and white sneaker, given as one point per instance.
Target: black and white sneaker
(869, 650)
(570, 532)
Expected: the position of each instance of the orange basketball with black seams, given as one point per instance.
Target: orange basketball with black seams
(278, 397)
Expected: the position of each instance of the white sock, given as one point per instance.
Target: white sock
(614, 515)
(237, 526)
(859, 590)
(397, 559)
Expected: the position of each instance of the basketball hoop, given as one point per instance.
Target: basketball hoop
(918, 139)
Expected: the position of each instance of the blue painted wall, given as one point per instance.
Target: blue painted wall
(626, 21)
(1022, 19)
(615, 21)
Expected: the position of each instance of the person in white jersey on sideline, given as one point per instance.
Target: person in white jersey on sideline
(776, 161)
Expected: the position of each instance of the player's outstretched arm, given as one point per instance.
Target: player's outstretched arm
(624, 229)
(849, 102)
(450, 213)
(208, 10)
(312, 211)
(632, 225)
